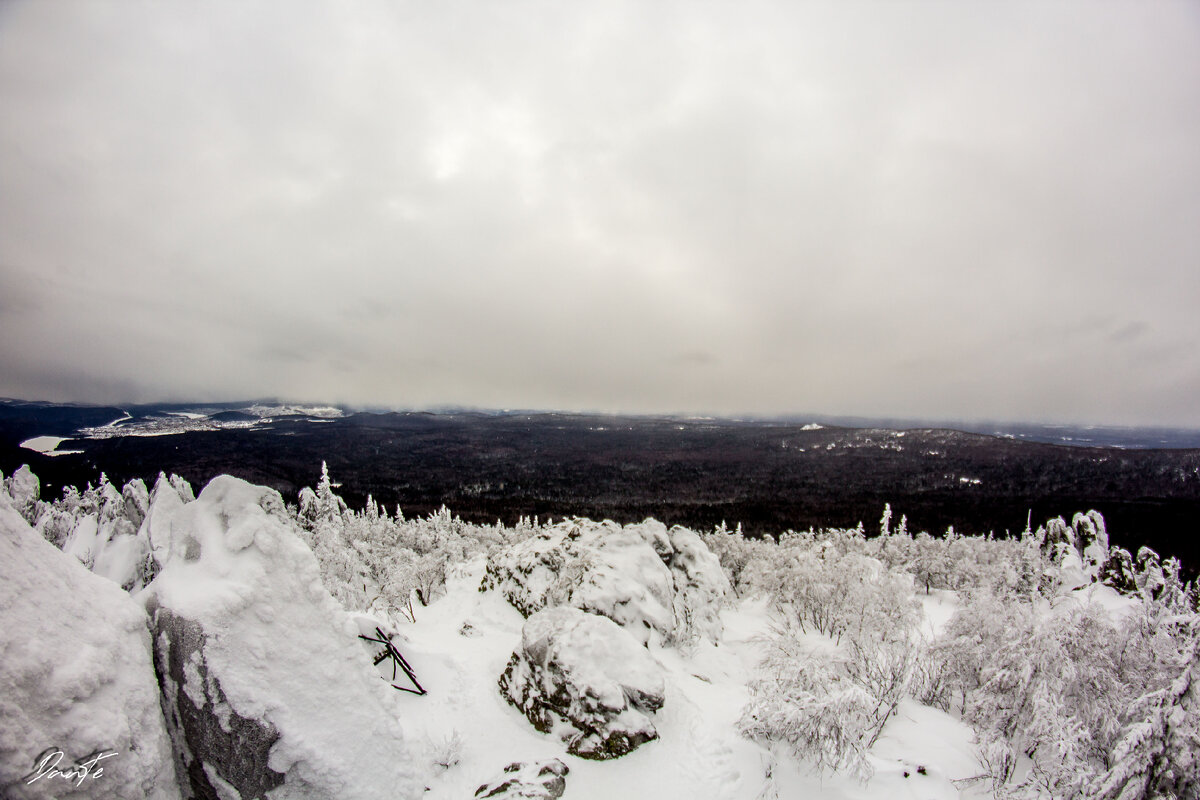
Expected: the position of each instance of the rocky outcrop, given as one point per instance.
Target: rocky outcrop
(643, 577)
(535, 780)
(76, 677)
(1079, 550)
(264, 681)
(215, 746)
(1118, 572)
(23, 489)
(585, 679)
(701, 585)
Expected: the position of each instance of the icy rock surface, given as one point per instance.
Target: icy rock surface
(537, 780)
(264, 681)
(587, 680)
(642, 577)
(76, 675)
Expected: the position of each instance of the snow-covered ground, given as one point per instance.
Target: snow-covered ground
(734, 695)
(699, 754)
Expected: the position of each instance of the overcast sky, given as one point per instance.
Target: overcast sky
(929, 209)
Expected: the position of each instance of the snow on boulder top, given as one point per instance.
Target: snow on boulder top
(586, 680)
(77, 676)
(642, 576)
(240, 598)
(594, 652)
(598, 567)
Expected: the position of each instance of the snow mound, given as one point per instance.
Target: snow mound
(642, 577)
(536, 780)
(266, 685)
(585, 679)
(76, 676)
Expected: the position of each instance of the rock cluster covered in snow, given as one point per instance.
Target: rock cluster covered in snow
(643, 577)
(585, 679)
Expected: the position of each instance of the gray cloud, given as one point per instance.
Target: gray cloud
(933, 209)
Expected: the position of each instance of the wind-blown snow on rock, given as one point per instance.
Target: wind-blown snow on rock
(75, 675)
(587, 680)
(263, 677)
(640, 576)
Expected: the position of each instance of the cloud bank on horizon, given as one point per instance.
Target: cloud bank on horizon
(927, 209)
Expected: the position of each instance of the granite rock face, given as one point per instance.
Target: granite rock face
(214, 745)
(585, 679)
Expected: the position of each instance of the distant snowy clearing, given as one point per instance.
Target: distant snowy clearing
(48, 446)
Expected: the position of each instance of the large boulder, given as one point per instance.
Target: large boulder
(585, 679)
(644, 578)
(75, 675)
(265, 685)
(529, 780)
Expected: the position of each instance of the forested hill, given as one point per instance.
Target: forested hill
(697, 472)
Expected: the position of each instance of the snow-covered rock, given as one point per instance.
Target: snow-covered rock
(536, 780)
(1118, 572)
(1091, 539)
(166, 498)
(23, 489)
(1150, 578)
(701, 585)
(76, 675)
(1079, 550)
(587, 680)
(640, 576)
(265, 683)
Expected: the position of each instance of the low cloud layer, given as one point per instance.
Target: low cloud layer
(915, 209)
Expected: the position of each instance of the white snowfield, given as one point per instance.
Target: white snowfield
(255, 656)
(48, 446)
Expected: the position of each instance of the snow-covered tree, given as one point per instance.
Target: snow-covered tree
(1158, 755)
